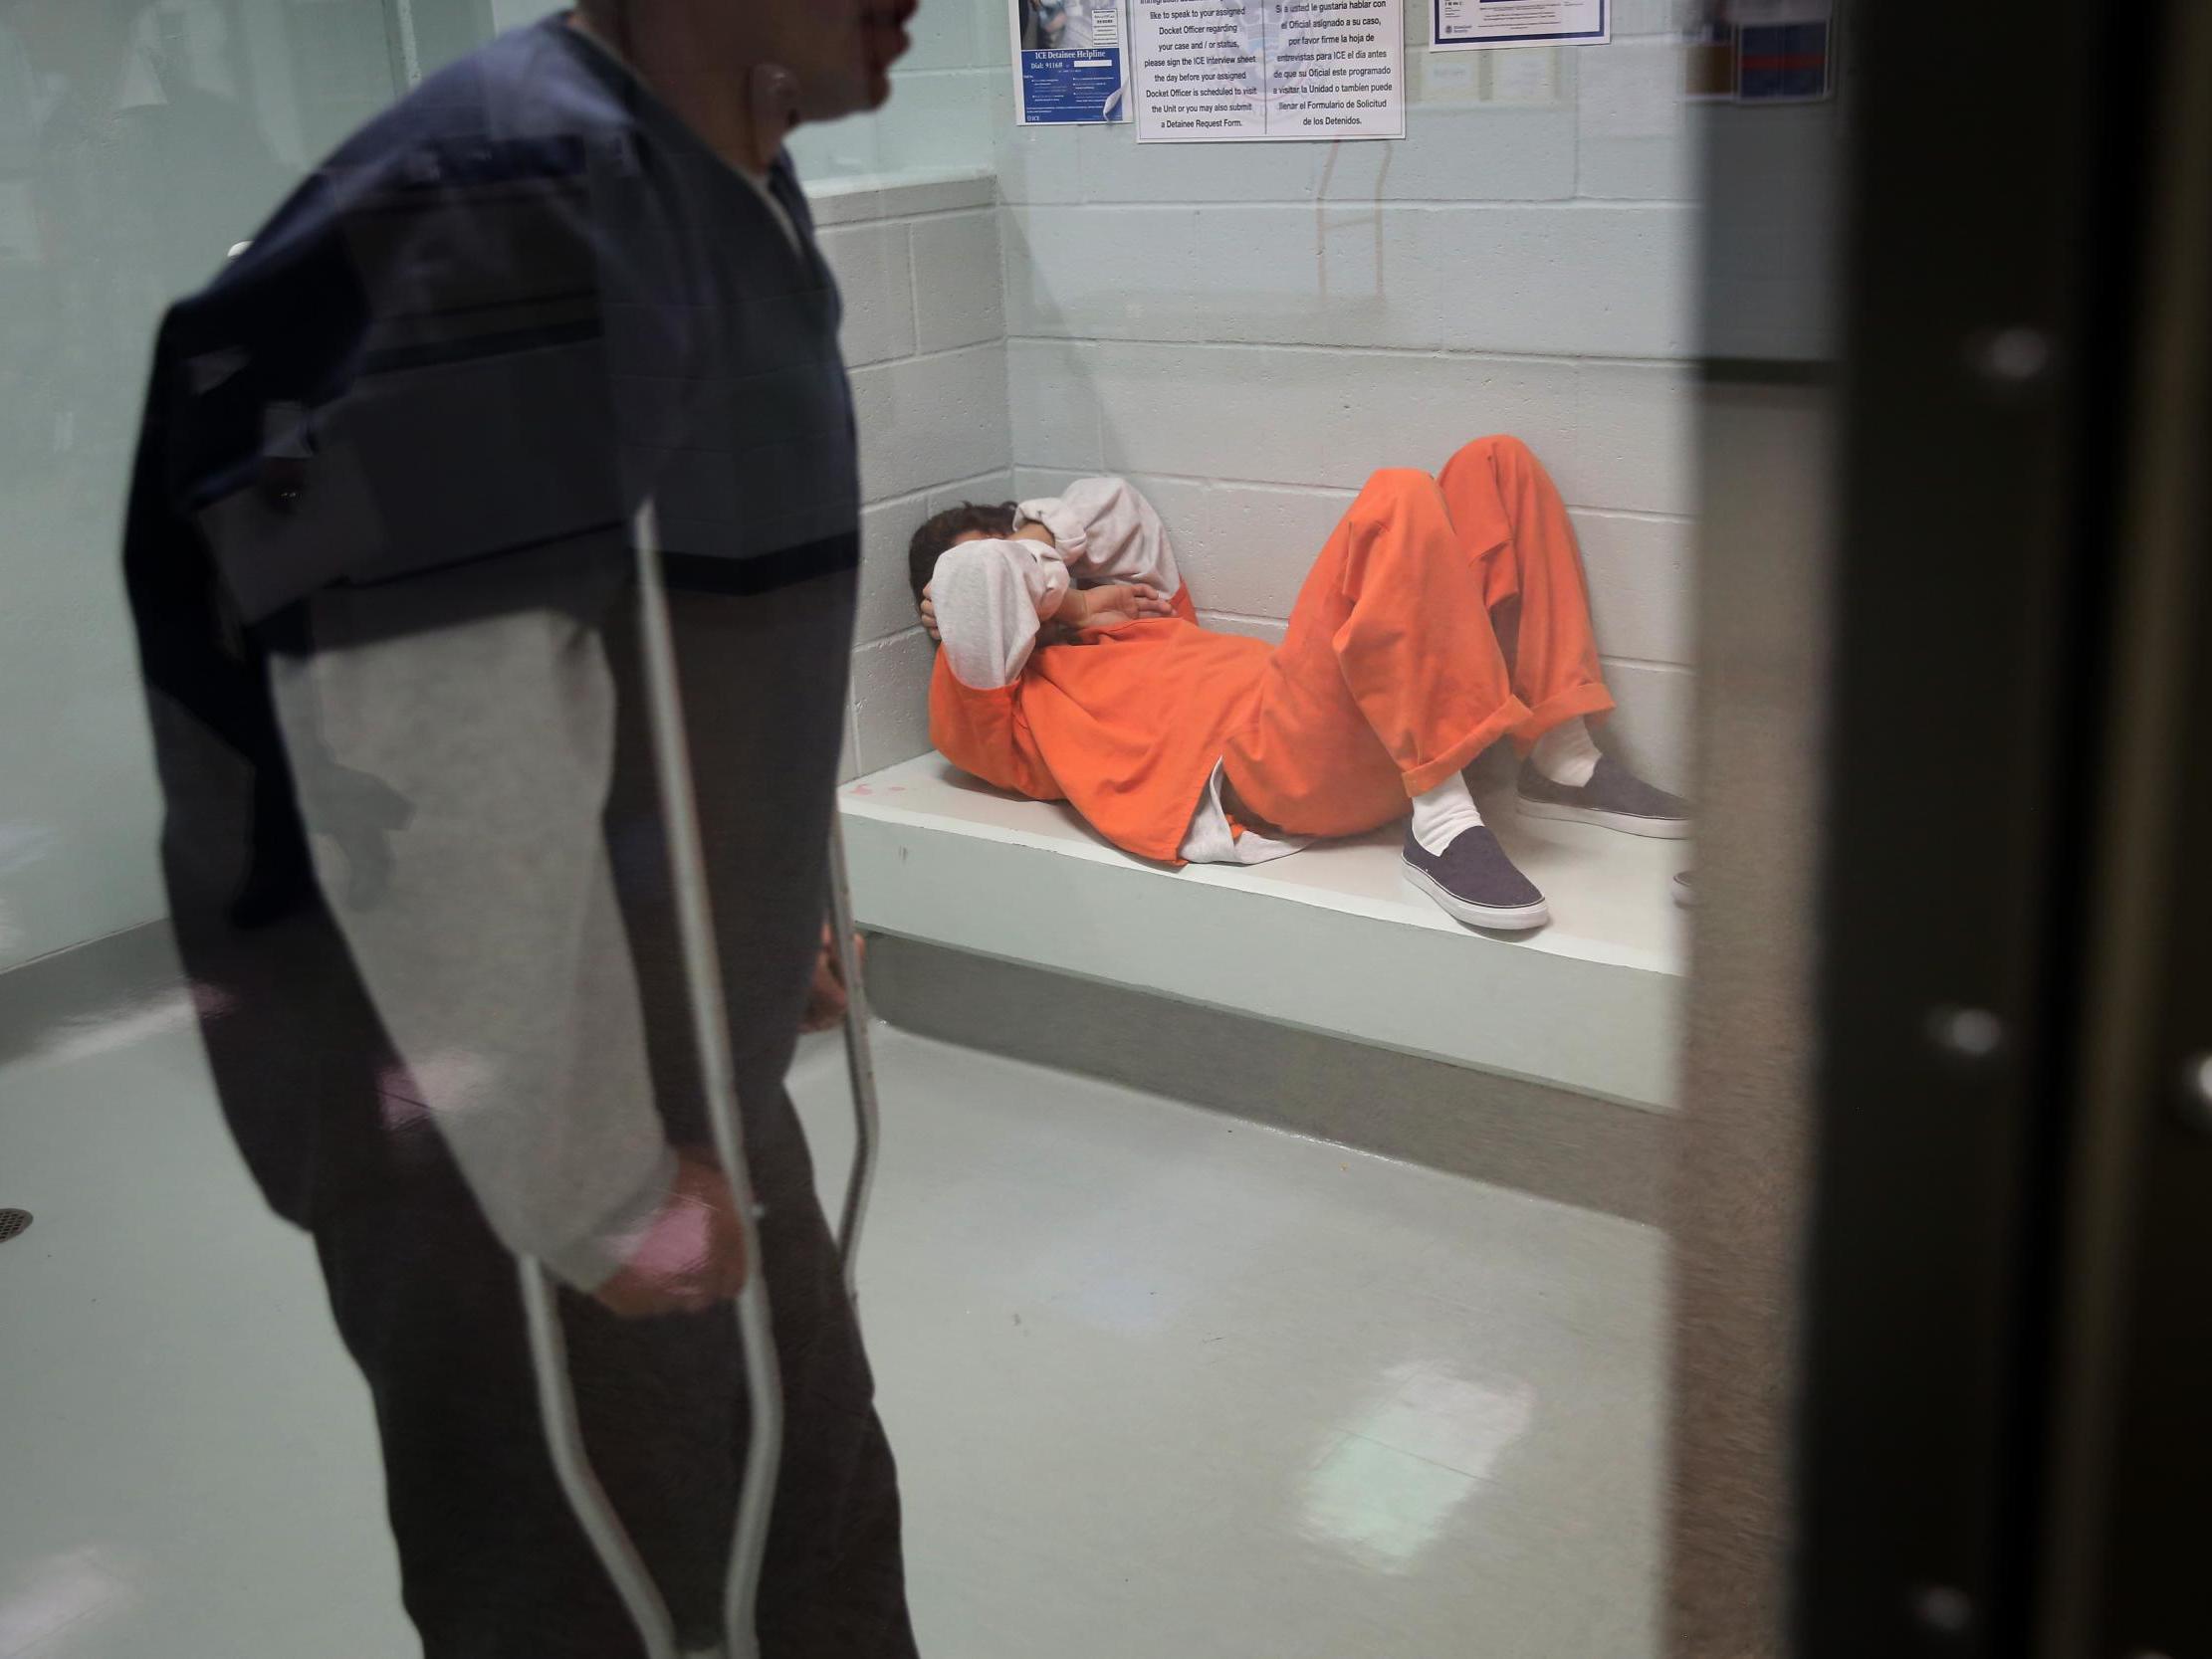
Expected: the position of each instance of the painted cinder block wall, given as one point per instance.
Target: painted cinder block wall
(919, 265)
(1247, 331)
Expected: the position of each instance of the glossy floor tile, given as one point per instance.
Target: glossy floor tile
(1162, 1382)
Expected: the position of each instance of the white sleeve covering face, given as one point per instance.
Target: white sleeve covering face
(452, 780)
(991, 597)
(1107, 532)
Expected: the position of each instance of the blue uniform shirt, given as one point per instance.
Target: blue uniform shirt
(497, 318)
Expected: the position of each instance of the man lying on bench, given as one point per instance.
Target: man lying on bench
(1073, 668)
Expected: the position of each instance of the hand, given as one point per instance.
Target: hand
(827, 999)
(929, 617)
(1111, 605)
(692, 1255)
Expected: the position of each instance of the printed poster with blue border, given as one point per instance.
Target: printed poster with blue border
(1070, 66)
(1476, 24)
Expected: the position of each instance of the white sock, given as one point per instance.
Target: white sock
(1566, 753)
(1442, 814)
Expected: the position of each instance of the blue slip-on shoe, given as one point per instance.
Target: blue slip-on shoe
(1615, 798)
(1475, 882)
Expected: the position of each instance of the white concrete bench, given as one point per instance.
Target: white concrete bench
(1330, 938)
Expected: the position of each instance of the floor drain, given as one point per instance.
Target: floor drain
(13, 1222)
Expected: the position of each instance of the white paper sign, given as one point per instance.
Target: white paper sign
(1209, 71)
(1459, 25)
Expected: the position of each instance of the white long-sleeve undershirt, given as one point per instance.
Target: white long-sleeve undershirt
(993, 597)
(453, 778)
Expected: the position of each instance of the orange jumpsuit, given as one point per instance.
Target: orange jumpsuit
(1390, 679)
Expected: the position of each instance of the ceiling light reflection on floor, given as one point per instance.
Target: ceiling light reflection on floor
(1391, 1487)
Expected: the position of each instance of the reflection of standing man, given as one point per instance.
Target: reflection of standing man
(381, 562)
(1052, 25)
(142, 151)
(140, 172)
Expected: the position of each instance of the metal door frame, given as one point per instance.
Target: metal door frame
(2004, 732)
(2125, 1537)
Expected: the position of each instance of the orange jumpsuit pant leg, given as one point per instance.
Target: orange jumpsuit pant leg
(1391, 678)
(1511, 522)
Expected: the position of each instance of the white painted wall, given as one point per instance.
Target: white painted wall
(925, 337)
(513, 14)
(942, 112)
(1247, 331)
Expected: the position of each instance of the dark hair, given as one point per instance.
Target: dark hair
(944, 528)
